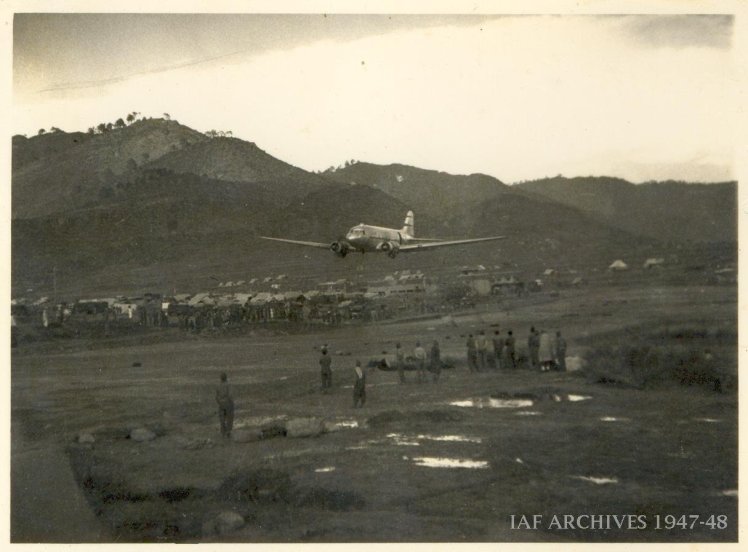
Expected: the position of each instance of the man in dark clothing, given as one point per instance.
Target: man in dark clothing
(498, 348)
(472, 354)
(325, 364)
(509, 350)
(419, 353)
(533, 348)
(400, 362)
(560, 353)
(225, 406)
(359, 386)
(435, 361)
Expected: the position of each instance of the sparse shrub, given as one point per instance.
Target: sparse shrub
(644, 365)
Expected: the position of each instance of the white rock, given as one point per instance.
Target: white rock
(141, 434)
(574, 363)
(304, 427)
(228, 521)
(86, 438)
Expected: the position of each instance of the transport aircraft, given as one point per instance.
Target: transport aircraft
(365, 238)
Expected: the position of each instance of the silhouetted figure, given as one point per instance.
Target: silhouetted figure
(498, 348)
(225, 406)
(359, 386)
(400, 362)
(560, 352)
(435, 361)
(509, 349)
(325, 364)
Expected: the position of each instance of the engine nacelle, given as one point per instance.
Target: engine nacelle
(391, 248)
(339, 248)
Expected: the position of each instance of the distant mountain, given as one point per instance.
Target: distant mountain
(157, 206)
(88, 170)
(432, 193)
(672, 211)
(235, 160)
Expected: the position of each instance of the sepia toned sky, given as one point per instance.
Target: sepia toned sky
(517, 97)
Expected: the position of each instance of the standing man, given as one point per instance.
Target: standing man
(225, 406)
(359, 386)
(400, 362)
(325, 365)
(435, 361)
(545, 351)
(509, 346)
(560, 352)
(498, 348)
(472, 354)
(533, 344)
(481, 343)
(420, 354)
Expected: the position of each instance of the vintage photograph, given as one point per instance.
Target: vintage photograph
(348, 278)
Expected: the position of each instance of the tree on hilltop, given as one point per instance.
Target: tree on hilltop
(167, 116)
(119, 123)
(130, 118)
(41, 131)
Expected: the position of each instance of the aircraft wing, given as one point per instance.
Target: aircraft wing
(431, 245)
(298, 242)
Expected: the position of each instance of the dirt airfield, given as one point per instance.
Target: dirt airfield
(446, 461)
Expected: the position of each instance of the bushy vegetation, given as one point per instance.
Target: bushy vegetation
(689, 357)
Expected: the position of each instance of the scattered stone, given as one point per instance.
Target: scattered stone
(269, 432)
(86, 438)
(246, 435)
(196, 444)
(141, 434)
(304, 427)
(575, 363)
(228, 521)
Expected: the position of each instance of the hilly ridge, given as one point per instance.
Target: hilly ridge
(666, 210)
(156, 205)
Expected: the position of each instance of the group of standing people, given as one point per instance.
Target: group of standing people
(479, 355)
(431, 359)
(546, 352)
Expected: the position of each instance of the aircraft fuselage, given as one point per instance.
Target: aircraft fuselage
(365, 237)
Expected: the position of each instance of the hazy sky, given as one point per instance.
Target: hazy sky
(640, 97)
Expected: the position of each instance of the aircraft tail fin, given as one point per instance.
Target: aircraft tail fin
(408, 229)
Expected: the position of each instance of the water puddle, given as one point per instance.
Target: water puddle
(402, 440)
(730, 492)
(451, 438)
(493, 403)
(708, 420)
(373, 384)
(332, 426)
(614, 419)
(326, 469)
(577, 398)
(434, 462)
(528, 413)
(596, 480)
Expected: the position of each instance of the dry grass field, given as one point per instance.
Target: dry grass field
(531, 443)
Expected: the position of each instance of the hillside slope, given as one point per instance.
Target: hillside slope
(670, 211)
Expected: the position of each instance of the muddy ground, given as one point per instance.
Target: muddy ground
(409, 466)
